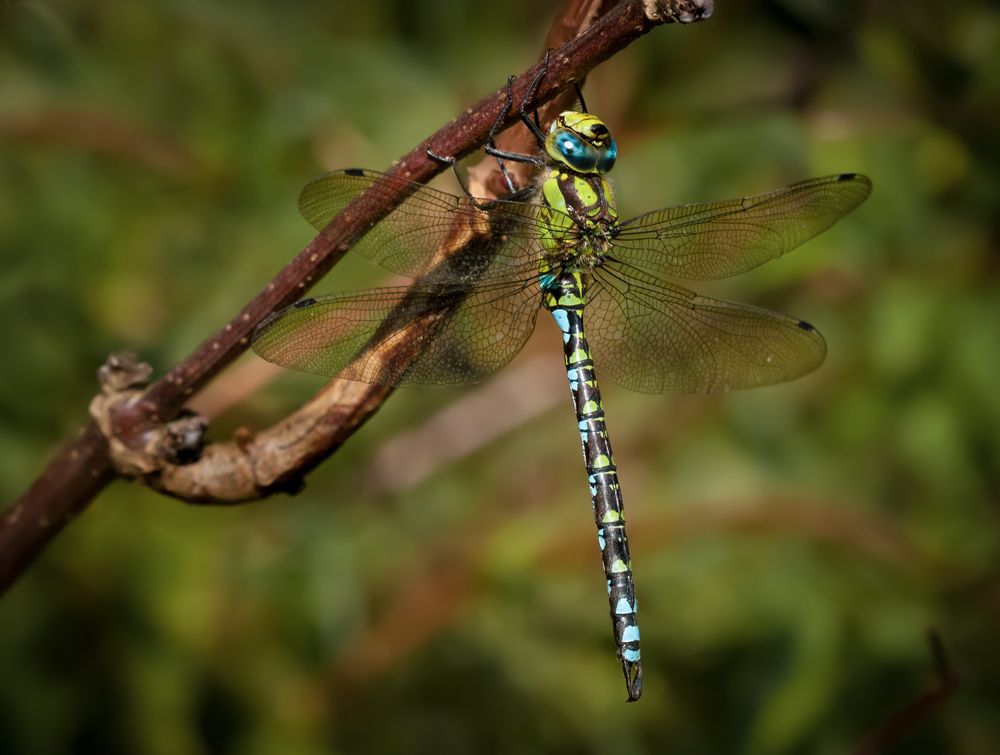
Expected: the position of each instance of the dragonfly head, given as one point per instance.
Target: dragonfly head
(581, 142)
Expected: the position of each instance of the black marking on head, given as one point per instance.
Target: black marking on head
(847, 176)
(304, 303)
(598, 129)
(805, 326)
(354, 172)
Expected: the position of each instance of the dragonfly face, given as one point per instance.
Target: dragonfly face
(581, 142)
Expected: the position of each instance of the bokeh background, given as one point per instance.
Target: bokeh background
(436, 588)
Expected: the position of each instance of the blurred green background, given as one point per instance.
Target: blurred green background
(436, 588)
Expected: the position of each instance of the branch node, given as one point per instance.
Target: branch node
(141, 449)
(123, 371)
(678, 11)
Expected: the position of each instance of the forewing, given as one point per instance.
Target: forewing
(719, 239)
(418, 335)
(654, 337)
(410, 239)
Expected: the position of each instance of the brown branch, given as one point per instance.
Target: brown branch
(82, 468)
(906, 718)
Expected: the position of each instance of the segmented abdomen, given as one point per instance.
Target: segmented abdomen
(564, 296)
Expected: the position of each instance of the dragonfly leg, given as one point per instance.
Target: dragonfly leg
(533, 127)
(491, 137)
(453, 162)
(515, 156)
(579, 96)
(501, 154)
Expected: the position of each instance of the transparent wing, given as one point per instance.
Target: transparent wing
(419, 335)
(719, 239)
(653, 337)
(408, 239)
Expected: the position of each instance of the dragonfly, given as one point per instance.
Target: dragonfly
(561, 246)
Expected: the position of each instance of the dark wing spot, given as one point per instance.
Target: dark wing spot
(805, 326)
(354, 172)
(307, 303)
(847, 176)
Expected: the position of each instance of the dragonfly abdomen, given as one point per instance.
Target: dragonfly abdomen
(564, 296)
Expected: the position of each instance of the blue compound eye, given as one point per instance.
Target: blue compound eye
(608, 155)
(577, 153)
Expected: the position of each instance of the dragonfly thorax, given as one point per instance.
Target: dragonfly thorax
(579, 214)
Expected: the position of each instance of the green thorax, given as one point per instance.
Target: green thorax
(581, 217)
(586, 199)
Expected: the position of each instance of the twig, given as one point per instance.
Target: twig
(82, 468)
(906, 718)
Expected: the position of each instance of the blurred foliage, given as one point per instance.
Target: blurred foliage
(791, 544)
